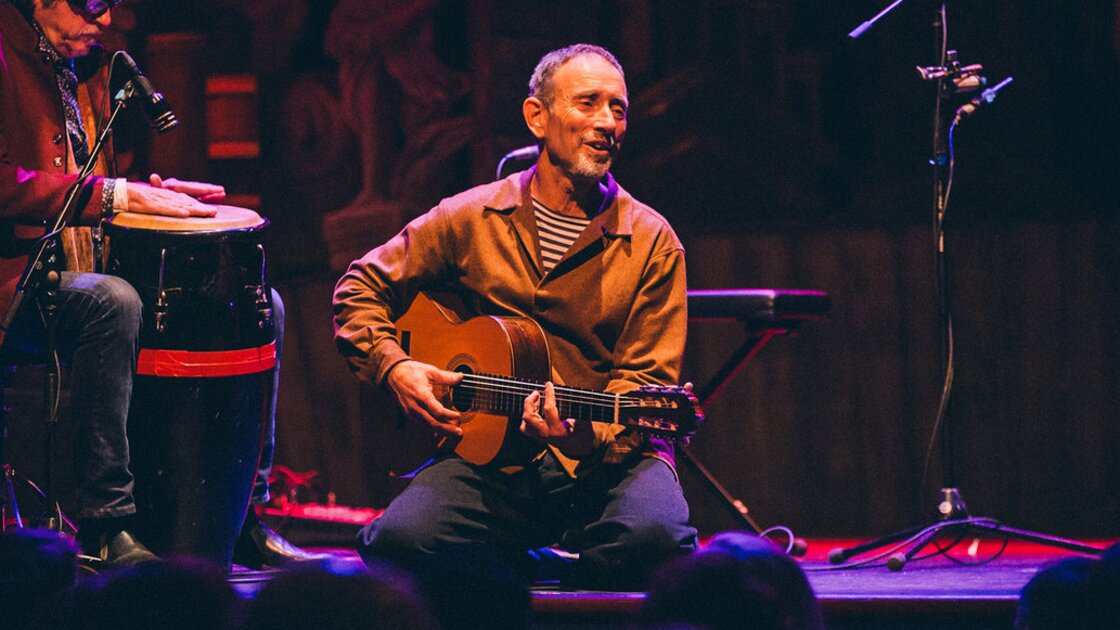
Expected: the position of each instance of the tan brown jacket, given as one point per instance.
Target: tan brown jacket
(613, 309)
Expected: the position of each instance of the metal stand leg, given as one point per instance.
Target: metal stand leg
(706, 394)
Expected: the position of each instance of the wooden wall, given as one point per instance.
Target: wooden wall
(829, 431)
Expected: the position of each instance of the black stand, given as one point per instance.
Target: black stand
(953, 519)
(40, 279)
(765, 313)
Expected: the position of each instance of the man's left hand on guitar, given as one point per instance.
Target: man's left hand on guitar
(541, 420)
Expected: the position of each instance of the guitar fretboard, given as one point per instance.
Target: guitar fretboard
(505, 395)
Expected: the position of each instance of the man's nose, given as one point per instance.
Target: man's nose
(605, 121)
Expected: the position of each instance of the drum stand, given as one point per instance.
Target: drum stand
(765, 313)
(11, 510)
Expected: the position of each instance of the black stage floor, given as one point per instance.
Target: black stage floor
(973, 588)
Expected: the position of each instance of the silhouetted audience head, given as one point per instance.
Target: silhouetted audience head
(736, 581)
(1073, 593)
(175, 593)
(1056, 596)
(475, 586)
(339, 596)
(37, 566)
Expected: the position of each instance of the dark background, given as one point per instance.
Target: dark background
(786, 155)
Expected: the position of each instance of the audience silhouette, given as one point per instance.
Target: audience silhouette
(736, 581)
(177, 593)
(38, 568)
(1073, 594)
(339, 596)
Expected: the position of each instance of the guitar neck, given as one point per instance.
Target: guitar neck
(505, 395)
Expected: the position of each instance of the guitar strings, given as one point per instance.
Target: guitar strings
(500, 385)
(514, 399)
(504, 394)
(529, 386)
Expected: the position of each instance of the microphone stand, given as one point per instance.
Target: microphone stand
(952, 513)
(41, 279)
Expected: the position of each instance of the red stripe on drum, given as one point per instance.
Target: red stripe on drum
(188, 363)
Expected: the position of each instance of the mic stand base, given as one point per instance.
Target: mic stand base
(901, 546)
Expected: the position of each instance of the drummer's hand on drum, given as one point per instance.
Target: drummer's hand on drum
(209, 193)
(415, 385)
(152, 200)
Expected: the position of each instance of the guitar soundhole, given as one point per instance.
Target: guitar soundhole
(463, 398)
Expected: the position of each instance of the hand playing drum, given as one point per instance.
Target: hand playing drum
(208, 193)
(173, 197)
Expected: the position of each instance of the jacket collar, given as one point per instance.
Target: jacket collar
(512, 197)
(19, 30)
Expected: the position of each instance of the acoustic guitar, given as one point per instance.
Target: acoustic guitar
(503, 360)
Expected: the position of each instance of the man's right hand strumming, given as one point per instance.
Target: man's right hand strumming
(414, 383)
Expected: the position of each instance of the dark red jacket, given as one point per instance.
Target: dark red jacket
(34, 152)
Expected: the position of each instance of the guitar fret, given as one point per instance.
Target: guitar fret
(504, 395)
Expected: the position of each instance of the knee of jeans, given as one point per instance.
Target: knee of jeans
(654, 537)
(112, 296)
(117, 297)
(384, 538)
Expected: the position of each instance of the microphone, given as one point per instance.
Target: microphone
(155, 107)
(985, 97)
(524, 153)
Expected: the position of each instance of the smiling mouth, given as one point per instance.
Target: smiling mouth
(606, 145)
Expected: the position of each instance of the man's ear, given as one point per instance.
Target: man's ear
(536, 115)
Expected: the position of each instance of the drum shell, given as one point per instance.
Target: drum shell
(213, 295)
(195, 446)
(195, 435)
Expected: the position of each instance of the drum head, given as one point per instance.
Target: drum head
(227, 218)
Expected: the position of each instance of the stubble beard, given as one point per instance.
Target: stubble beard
(584, 167)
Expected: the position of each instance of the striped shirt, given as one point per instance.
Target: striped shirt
(557, 233)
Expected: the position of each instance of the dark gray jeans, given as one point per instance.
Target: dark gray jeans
(623, 521)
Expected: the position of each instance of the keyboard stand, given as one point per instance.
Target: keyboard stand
(765, 313)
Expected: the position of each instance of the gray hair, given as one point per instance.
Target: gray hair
(540, 84)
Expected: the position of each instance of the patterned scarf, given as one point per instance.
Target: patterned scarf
(68, 89)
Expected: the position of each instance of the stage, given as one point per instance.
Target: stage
(969, 589)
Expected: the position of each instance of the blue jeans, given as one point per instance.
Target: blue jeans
(98, 328)
(623, 520)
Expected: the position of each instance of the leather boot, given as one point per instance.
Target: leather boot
(259, 546)
(108, 543)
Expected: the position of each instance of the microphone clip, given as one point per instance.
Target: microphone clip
(965, 78)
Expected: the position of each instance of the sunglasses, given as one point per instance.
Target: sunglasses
(92, 9)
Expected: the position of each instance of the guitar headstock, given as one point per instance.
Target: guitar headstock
(664, 410)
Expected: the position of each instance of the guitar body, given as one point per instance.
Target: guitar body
(432, 332)
(503, 360)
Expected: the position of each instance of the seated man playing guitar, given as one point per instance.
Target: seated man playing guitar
(586, 286)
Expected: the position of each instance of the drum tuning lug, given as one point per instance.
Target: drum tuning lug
(160, 310)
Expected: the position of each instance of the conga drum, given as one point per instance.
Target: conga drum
(207, 348)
